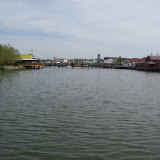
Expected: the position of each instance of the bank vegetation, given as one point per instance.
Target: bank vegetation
(8, 55)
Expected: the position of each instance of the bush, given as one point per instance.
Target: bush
(8, 55)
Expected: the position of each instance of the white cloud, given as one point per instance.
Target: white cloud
(82, 27)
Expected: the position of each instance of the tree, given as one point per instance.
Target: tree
(120, 60)
(117, 61)
(114, 61)
(8, 55)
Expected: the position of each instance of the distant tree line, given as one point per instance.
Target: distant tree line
(71, 60)
(8, 55)
(80, 59)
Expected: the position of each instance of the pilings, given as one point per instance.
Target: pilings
(33, 67)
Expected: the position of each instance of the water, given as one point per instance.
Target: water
(82, 114)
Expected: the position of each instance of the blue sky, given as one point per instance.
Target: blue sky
(81, 28)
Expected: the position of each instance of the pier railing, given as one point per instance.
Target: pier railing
(33, 64)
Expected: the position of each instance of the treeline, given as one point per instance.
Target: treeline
(70, 60)
(80, 59)
(8, 55)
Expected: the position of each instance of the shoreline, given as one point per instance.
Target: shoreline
(11, 67)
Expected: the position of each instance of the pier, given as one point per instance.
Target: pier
(83, 65)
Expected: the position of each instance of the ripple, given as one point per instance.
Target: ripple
(79, 114)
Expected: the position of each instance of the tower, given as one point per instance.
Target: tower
(98, 58)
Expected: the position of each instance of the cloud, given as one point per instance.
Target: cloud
(82, 27)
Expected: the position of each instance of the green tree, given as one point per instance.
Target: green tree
(120, 60)
(115, 61)
(8, 55)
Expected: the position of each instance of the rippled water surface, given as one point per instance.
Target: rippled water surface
(82, 114)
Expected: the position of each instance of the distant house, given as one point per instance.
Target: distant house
(109, 60)
(132, 62)
(60, 60)
(89, 62)
(48, 63)
(153, 58)
(150, 63)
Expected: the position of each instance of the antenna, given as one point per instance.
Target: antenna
(32, 52)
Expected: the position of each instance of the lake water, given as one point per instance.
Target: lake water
(81, 114)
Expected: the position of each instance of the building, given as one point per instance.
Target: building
(28, 61)
(48, 63)
(60, 60)
(26, 57)
(98, 58)
(110, 60)
(131, 62)
(151, 63)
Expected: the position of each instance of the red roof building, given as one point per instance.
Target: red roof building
(59, 60)
(132, 62)
(151, 63)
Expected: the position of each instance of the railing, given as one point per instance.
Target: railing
(32, 64)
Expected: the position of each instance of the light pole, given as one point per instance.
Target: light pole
(32, 52)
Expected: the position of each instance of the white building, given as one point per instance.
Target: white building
(109, 60)
(59, 60)
(131, 62)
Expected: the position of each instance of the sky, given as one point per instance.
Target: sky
(81, 28)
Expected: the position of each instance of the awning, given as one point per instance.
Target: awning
(151, 63)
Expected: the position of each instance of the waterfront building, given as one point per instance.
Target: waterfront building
(89, 63)
(28, 61)
(26, 56)
(60, 60)
(48, 63)
(131, 62)
(110, 60)
(151, 63)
